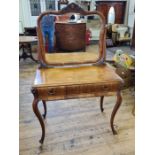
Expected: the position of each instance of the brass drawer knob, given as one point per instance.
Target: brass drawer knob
(51, 92)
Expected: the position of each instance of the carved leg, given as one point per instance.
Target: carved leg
(101, 103)
(45, 109)
(116, 107)
(38, 115)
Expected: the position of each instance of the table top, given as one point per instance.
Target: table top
(76, 75)
(27, 39)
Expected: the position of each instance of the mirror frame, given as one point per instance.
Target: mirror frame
(71, 8)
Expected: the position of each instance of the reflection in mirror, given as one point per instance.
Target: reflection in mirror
(72, 34)
(111, 15)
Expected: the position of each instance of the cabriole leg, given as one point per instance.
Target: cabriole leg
(38, 115)
(45, 109)
(116, 107)
(101, 103)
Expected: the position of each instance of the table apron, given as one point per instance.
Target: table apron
(75, 91)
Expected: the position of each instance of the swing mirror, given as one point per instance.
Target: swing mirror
(71, 36)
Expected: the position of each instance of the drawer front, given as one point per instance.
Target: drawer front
(75, 91)
(90, 90)
(51, 93)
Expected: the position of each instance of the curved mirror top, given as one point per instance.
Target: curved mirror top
(70, 38)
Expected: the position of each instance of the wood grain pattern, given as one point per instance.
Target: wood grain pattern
(70, 36)
(70, 58)
(76, 75)
(119, 6)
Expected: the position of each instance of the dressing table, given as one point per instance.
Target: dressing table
(62, 76)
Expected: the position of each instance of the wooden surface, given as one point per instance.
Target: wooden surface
(74, 126)
(27, 39)
(75, 82)
(76, 76)
(62, 58)
(70, 36)
(119, 6)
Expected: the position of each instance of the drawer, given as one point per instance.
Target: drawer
(90, 89)
(51, 93)
(75, 91)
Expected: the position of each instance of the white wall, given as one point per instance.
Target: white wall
(131, 15)
(21, 26)
(24, 14)
(25, 18)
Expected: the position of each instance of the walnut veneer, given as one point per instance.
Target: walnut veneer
(68, 82)
(71, 58)
(77, 82)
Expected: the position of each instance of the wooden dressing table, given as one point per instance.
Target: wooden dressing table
(74, 79)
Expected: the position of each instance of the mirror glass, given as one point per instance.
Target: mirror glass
(71, 38)
(111, 15)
